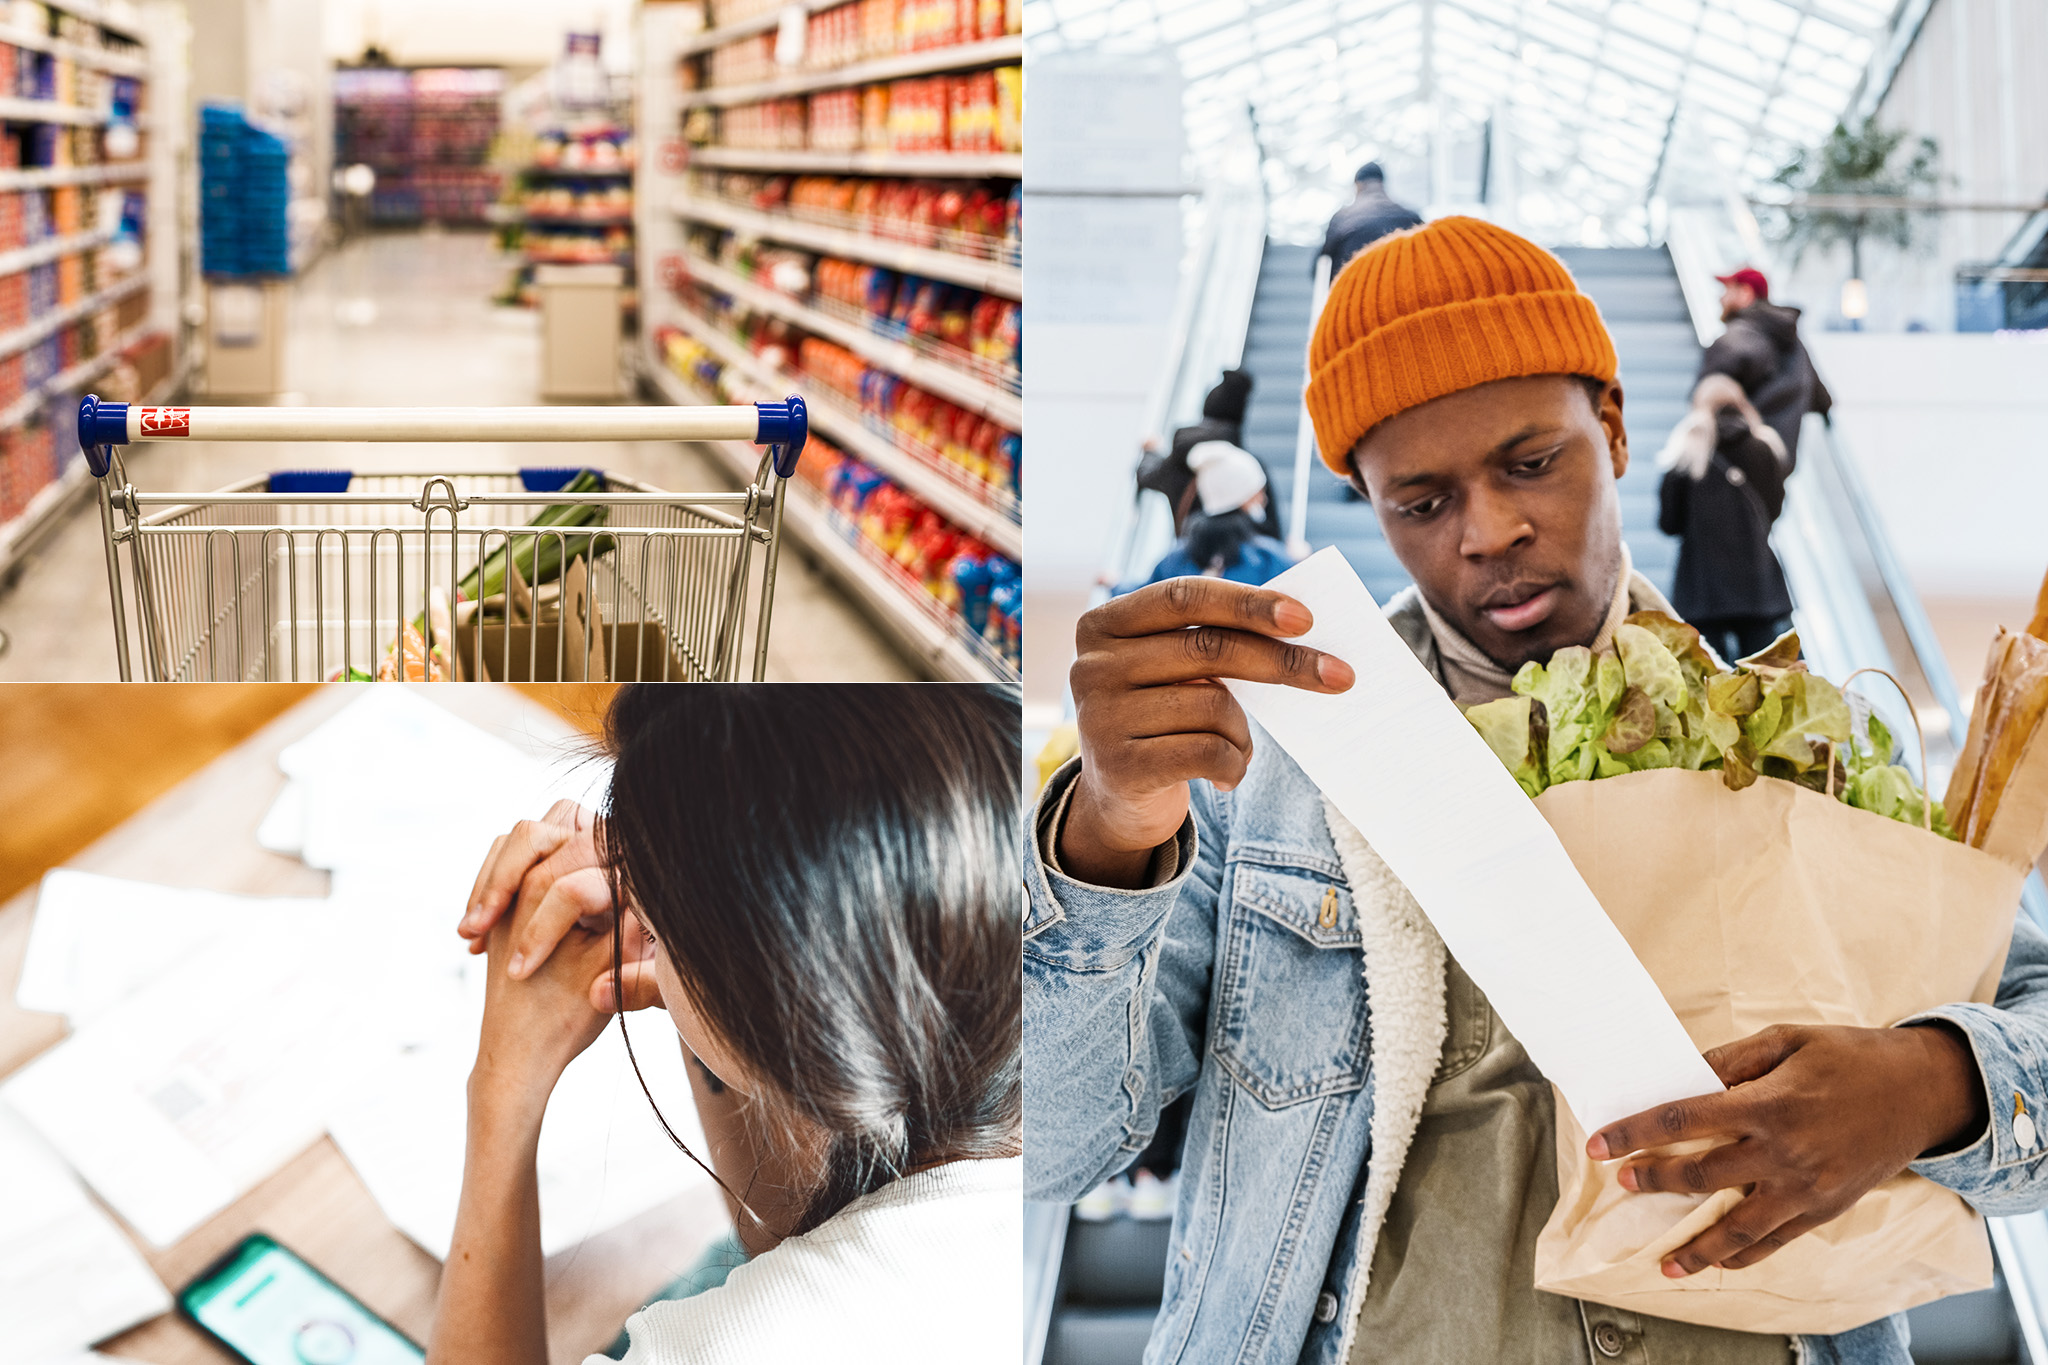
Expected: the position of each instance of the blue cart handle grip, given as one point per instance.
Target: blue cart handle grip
(101, 425)
(786, 426)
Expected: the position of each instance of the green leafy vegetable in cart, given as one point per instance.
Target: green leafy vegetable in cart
(1658, 699)
(540, 555)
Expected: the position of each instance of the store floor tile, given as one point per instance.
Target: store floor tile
(403, 319)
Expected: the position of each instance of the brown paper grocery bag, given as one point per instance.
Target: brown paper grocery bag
(1774, 904)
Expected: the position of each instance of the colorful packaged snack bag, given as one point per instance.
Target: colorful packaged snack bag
(1009, 109)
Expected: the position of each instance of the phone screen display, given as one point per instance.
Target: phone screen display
(274, 1309)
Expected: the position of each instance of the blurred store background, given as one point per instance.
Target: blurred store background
(1882, 163)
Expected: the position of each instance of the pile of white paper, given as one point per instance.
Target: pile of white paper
(67, 1275)
(218, 1036)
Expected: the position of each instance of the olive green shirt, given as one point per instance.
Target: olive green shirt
(1454, 1271)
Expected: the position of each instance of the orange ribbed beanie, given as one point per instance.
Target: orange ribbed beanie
(1437, 309)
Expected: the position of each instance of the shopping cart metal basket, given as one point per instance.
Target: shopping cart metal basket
(548, 574)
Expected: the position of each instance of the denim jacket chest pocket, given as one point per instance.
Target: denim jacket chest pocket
(1290, 1022)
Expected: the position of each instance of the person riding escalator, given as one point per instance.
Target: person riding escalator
(1167, 472)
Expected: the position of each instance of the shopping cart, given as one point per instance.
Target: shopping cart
(547, 574)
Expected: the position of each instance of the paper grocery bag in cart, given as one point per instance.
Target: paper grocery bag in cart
(1774, 904)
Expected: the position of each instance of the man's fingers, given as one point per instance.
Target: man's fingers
(1167, 759)
(582, 893)
(1186, 709)
(1182, 602)
(1681, 1121)
(641, 992)
(1755, 1224)
(1181, 656)
(1747, 1059)
(1725, 1167)
(1798, 1227)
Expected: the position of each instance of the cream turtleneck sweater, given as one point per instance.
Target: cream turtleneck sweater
(1474, 677)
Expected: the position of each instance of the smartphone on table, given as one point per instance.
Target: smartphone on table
(270, 1308)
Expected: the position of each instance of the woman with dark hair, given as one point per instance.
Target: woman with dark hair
(819, 884)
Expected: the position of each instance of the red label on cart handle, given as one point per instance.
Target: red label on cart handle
(163, 422)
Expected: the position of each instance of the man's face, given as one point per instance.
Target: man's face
(1501, 502)
(1734, 298)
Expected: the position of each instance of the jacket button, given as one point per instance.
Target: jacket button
(1608, 1339)
(1326, 1307)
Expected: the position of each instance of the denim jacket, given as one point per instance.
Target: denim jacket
(1234, 981)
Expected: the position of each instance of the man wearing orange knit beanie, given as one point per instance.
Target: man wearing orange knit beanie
(1218, 965)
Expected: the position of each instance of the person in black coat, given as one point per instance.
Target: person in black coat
(1761, 351)
(1724, 485)
(1370, 215)
(1167, 471)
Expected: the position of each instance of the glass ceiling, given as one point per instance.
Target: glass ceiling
(1565, 116)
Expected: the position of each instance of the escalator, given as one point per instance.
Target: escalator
(1092, 1287)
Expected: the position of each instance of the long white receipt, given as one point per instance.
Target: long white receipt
(1397, 759)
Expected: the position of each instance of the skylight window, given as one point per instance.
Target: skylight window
(1601, 104)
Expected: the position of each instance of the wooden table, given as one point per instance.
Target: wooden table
(201, 833)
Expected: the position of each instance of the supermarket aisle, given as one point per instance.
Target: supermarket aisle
(402, 319)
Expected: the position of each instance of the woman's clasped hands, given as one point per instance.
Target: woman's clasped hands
(542, 909)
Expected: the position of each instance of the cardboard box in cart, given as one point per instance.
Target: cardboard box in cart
(524, 639)
(484, 654)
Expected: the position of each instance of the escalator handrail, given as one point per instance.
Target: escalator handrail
(1920, 636)
(1045, 1241)
(1209, 298)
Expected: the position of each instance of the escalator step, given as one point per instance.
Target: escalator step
(1117, 1264)
(1099, 1336)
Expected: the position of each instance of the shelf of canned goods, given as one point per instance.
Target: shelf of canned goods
(90, 261)
(829, 202)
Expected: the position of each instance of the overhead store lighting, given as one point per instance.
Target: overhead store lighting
(1604, 103)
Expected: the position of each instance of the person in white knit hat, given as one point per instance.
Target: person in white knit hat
(1222, 540)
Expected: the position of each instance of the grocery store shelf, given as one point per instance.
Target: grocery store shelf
(25, 336)
(43, 177)
(922, 637)
(97, 58)
(930, 262)
(21, 535)
(21, 258)
(617, 258)
(883, 599)
(987, 523)
(947, 381)
(48, 111)
(959, 57)
(587, 173)
(747, 28)
(84, 372)
(970, 165)
(120, 17)
(576, 219)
